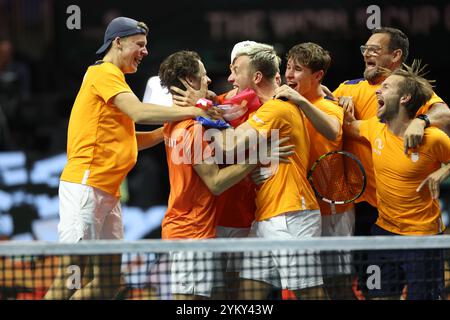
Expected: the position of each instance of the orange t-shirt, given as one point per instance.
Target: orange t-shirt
(321, 145)
(288, 188)
(192, 208)
(366, 106)
(401, 209)
(101, 139)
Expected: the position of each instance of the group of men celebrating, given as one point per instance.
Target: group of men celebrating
(391, 120)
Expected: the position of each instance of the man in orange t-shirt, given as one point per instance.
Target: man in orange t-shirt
(306, 67)
(386, 48)
(102, 148)
(285, 203)
(399, 177)
(192, 216)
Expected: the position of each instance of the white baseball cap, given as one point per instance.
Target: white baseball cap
(240, 45)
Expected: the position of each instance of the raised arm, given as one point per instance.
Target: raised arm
(145, 113)
(326, 125)
(438, 116)
(351, 125)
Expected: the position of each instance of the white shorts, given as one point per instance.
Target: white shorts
(88, 213)
(287, 269)
(194, 273)
(231, 261)
(338, 225)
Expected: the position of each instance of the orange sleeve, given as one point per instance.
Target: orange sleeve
(109, 83)
(434, 99)
(269, 116)
(441, 149)
(364, 129)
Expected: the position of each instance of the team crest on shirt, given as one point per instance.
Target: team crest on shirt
(378, 146)
(414, 156)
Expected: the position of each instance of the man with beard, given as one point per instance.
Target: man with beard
(384, 51)
(399, 177)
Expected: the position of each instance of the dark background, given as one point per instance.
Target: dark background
(57, 57)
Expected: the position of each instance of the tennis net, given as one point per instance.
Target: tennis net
(393, 267)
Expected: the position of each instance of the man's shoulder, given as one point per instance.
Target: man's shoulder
(354, 84)
(275, 104)
(329, 102)
(354, 81)
(434, 134)
(104, 68)
(374, 124)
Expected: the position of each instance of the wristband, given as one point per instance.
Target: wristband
(425, 118)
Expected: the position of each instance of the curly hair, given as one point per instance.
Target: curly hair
(180, 64)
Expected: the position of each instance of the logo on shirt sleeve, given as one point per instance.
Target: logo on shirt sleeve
(256, 119)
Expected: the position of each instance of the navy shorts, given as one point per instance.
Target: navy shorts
(422, 270)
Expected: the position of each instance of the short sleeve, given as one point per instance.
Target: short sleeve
(109, 82)
(271, 115)
(434, 99)
(441, 148)
(339, 90)
(367, 127)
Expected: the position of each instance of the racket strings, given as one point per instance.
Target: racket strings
(338, 178)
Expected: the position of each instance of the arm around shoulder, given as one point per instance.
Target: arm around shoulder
(439, 116)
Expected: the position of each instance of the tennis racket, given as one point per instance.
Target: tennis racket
(337, 177)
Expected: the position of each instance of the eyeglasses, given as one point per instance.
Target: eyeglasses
(371, 50)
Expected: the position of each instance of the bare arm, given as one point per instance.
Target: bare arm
(439, 116)
(326, 125)
(145, 113)
(149, 139)
(218, 180)
(351, 125)
(434, 179)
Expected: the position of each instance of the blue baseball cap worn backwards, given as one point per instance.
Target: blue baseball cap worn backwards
(121, 27)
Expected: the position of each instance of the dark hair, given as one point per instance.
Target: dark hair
(397, 40)
(180, 64)
(311, 55)
(415, 85)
